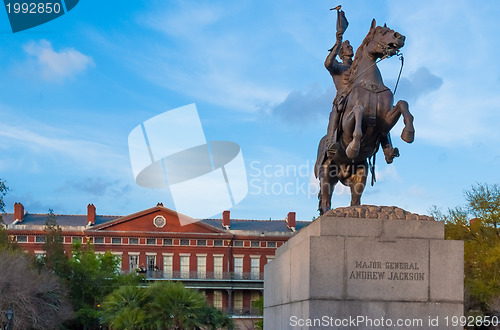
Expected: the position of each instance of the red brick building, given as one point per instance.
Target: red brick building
(224, 258)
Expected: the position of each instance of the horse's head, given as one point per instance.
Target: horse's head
(385, 41)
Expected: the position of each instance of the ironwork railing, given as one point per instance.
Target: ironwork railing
(194, 275)
(242, 311)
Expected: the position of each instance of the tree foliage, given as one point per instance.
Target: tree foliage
(3, 192)
(38, 298)
(259, 305)
(88, 276)
(477, 223)
(163, 305)
(125, 308)
(92, 277)
(55, 257)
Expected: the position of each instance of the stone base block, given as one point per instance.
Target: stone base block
(340, 271)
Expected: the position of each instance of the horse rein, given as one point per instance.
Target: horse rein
(401, 57)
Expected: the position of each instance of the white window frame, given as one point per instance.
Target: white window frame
(238, 269)
(217, 299)
(119, 256)
(99, 237)
(238, 300)
(184, 264)
(201, 266)
(255, 267)
(131, 266)
(168, 265)
(218, 269)
(151, 256)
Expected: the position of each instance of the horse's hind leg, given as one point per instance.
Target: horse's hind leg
(352, 149)
(357, 183)
(328, 179)
(401, 108)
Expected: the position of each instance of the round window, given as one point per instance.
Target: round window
(159, 221)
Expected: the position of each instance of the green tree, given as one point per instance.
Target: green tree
(92, 277)
(3, 192)
(4, 239)
(174, 307)
(125, 308)
(55, 257)
(89, 276)
(213, 318)
(259, 306)
(477, 223)
(163, 305)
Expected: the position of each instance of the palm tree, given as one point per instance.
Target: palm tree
(175, 307)
(163, 305)
(213, 319)
(125, 308)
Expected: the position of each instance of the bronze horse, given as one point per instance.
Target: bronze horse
(368, 115)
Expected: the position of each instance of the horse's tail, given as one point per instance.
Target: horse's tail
(321, 156)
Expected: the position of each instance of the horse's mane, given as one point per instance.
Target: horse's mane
(353, 70)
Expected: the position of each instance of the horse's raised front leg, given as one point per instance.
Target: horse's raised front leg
(401, 108)
(357, 183)
(352, 149)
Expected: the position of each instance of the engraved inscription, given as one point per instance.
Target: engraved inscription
(394, 271)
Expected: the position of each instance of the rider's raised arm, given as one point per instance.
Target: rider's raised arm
(331, 61)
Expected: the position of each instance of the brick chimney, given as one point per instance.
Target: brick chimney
(18, 212)
(474, 221)
(226, 219)
(90, 214)
(290, 221)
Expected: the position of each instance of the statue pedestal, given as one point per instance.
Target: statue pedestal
(365, 273)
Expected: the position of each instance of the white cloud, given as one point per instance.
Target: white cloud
(465, 108)
(211, 51)
(184, 21)
(302, 107)
(388, 173)
(52, 65)
(32, 139)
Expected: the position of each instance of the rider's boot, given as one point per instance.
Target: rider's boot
(332, 145)
(389, 152)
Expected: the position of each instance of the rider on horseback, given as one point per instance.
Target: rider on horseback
(340, 75)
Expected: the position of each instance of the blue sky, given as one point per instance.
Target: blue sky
(74, 88)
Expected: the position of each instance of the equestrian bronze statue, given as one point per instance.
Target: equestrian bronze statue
(362, 115)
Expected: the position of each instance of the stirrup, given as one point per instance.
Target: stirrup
(390, 153)
(332, 149)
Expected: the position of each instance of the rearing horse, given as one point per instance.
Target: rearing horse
(369, 114)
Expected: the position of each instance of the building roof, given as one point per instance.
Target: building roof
(257, 225)
(61, 219)
(79, 222)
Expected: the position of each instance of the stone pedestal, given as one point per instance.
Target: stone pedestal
(360, 273)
